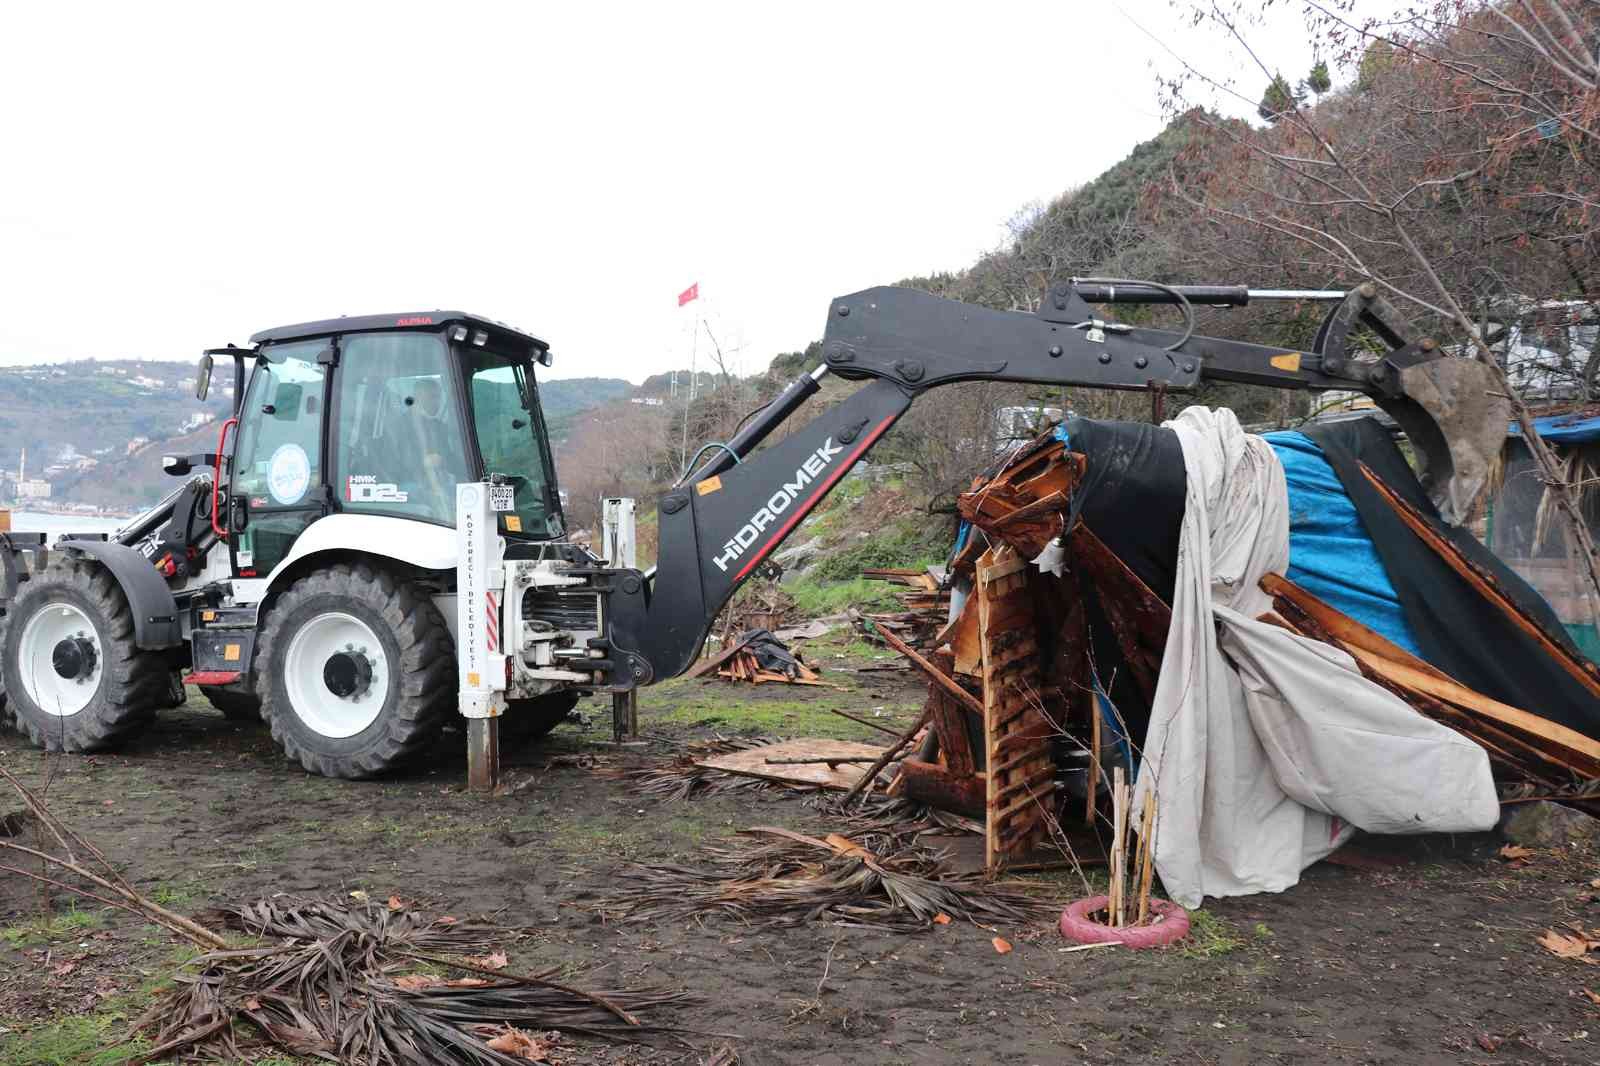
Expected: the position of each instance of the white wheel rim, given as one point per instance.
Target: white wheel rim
(60, 697)
(313, 645)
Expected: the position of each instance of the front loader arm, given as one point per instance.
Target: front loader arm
(734, 511)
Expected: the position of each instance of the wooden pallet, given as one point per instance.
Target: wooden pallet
(1021, 773)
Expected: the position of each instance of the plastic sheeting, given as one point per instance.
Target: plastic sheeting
(1330, 553)
(1263, 764)
(1564, 429)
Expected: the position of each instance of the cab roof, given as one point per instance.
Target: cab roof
(503, 336)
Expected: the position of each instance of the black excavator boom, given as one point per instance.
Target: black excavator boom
(731, 512)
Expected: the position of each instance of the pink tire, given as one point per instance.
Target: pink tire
(1171, 924)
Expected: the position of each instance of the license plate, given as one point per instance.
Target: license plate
(503, 497)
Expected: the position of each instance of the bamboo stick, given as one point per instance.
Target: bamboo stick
(1093, 787)
(1119, 825)
(1146, 855)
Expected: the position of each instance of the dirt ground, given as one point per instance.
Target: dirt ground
(1416, 950)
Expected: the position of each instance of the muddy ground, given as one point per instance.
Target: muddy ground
(1419, 950)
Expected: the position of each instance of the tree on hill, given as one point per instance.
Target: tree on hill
(1319, 81)
(1470, 152)
(1278, 100)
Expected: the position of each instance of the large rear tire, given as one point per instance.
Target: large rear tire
(73, 676)
(356, 671)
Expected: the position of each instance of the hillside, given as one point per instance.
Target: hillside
(80, 420)
(95, 429)
(564, 399)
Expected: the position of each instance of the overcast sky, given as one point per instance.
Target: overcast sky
(174, 177)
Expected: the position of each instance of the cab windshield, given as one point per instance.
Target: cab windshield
(510, 438)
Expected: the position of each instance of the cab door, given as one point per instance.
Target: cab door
(279, 482)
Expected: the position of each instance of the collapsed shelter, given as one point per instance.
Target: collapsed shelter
(1278, 635)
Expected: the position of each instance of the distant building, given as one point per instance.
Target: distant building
(648, 401)
(33, 489)
(136, 443)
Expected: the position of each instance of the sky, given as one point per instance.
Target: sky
(178, 176)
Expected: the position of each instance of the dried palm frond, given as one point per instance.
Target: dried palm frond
(681, 779)
(778, 877)
(877, 813)
(328, 985)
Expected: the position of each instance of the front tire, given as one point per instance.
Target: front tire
(74, 678)
(356, 671)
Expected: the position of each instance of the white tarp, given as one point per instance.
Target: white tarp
(1266, 749)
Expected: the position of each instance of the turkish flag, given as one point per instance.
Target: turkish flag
(691, 293)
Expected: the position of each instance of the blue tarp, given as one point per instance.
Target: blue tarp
(1565, 429)
(1330, 553)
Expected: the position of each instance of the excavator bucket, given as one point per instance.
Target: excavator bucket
(1454, 409)
(1455, 412)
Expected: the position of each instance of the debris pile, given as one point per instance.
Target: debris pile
(1124, 583)
(925, 603)
(685, 775)
(758, 657)
(341, 982)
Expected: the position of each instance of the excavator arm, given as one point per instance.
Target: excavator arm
(733, 511)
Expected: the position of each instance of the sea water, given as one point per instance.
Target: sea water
(56, 524)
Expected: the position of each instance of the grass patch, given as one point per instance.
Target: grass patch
(814, 596)
(732, 707)
(178, 893)
(914, 542)
(1209, 937)
(55, 927)
(76, 1040)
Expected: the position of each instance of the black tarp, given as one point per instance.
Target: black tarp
(1132, 494)
(1457, 630)
(770, 652)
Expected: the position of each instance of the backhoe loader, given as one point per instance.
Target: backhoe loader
(377, 540)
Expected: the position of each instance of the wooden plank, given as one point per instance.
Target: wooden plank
(1017, 738)
(966, 698)
(1032, 783)
(1464, 697)
(752, 762)
(962, 636)
(1518, 753)
(949, 721)
(705, 666)
(1342, 627)
(1008, 564)
(1586, 673)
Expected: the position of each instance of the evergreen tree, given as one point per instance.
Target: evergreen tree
(1318, 80)
(1279, 98)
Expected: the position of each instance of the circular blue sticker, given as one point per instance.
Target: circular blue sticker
(288, 474)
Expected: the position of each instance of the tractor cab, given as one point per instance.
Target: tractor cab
(382, 415)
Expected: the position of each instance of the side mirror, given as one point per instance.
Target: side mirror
(238, 514)
(544, 357)
(202, 377)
